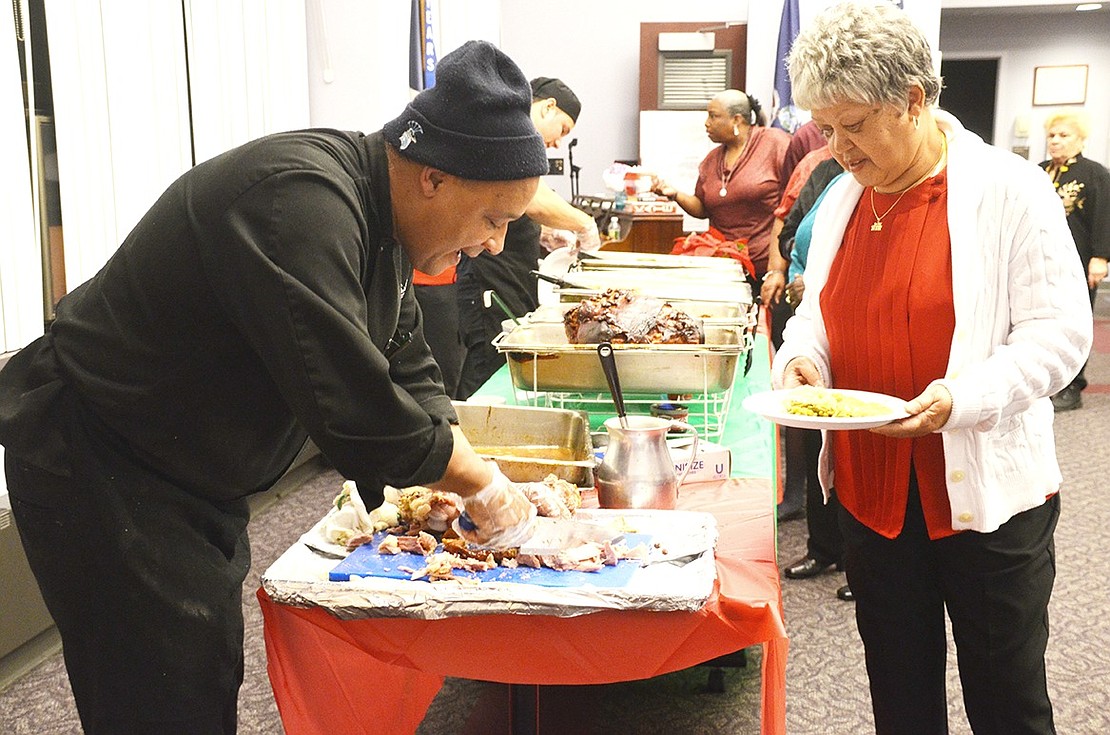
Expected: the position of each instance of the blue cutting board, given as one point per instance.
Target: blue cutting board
(365, 561)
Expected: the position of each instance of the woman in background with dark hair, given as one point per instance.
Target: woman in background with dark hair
(738, 184)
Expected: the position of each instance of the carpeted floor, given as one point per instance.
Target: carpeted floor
(826, 682)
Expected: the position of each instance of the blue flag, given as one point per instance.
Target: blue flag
(785, 115)
(422, 48)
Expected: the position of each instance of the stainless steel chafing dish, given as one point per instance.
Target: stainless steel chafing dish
(674, 292)
(610, 260)
(530, 443)
(541, 359)
(710, 312)
(654, 280)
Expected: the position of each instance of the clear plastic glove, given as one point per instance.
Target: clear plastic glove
(552, 239)
(499, 515)
(549, 502)
(589, 239)
(444, 508)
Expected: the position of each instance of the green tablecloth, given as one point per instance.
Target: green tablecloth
(752, 439)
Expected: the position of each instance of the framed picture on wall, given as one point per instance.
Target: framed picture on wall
(1060, 85)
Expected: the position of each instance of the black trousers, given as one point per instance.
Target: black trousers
(996, 588)
(797, 470)
(145, 585)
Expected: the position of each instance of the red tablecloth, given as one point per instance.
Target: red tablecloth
(381, 674)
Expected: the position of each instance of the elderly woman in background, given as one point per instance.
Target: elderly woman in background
(738, 183)
(940, 271)
(1084, 189)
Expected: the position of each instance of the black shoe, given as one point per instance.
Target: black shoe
(807, 567)
(845, 593)
(787, 513)
(1068, 399)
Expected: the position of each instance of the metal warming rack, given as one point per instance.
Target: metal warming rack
(548, 371)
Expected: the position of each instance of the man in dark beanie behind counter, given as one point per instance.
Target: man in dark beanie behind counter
(555, 110)
(263, 300)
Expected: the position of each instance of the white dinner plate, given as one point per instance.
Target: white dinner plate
(771, 405)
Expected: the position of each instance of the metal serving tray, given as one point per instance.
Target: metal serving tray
(530, 443)
(710, 312)
(541, 359)
(606, 260)
(653, 280)
(675, 291)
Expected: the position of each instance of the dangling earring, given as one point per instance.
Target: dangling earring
(735, 130)
(916, 123)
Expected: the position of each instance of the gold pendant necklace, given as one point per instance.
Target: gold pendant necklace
(877, 225)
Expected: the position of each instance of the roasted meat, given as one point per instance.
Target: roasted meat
(622, 316)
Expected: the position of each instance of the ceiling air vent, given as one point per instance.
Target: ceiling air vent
(689, 79)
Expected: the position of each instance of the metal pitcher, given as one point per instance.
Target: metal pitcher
(638, 470)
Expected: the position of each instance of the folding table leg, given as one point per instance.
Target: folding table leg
(524, 709)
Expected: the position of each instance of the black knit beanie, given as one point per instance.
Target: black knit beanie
(565, 99)
(475, 122)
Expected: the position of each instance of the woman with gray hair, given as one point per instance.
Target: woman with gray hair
(941, 271)
(738, 183)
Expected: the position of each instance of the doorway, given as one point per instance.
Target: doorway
(970, 86)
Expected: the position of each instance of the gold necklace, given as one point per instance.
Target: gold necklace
(877, 225)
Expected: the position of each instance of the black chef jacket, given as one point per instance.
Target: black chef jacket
(509, 275)
(251, 306)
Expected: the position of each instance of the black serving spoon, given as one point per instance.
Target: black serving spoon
(609, 366)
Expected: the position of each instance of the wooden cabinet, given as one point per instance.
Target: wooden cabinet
(646, 233)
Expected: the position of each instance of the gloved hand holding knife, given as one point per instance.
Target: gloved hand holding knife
(499, 515)
(504, 515)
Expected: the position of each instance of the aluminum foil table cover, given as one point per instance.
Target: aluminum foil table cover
(300, 577)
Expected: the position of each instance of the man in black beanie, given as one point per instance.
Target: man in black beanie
(555, 110)
(262, 301)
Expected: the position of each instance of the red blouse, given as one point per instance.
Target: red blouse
(747, 210)
(889, 316)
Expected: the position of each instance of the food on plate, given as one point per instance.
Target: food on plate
(808, 400)
(622, 316)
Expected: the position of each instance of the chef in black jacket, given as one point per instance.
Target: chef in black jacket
(264, 299)
(555, 110)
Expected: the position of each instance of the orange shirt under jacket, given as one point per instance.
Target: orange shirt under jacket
(447, 277)
(890, 318)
